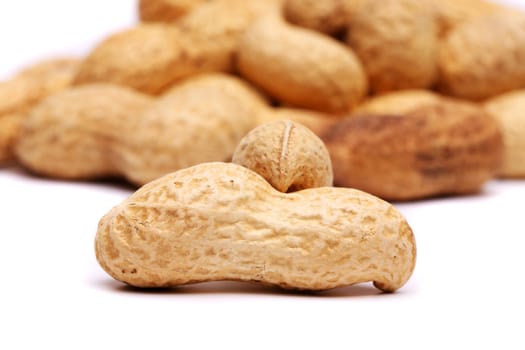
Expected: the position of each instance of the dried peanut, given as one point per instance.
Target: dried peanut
(101, 130)
(328, 16)
(315, 121)
(446, 148)
(397, 43)
(221, 221)
(152, 56)
(287, 155)
(301, 67)
(165, 10)
(201, 120)
(213, 30)
(75, 134)
(508, 109)
(148, 58)
(23, 91)
(452, 13)
(397, 102)
(483, 57)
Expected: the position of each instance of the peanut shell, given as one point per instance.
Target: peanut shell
(218, 221)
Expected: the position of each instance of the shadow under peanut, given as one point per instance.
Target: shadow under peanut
(246, 288)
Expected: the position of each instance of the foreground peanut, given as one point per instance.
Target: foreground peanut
(438, 149)
(287, 155)
(300, 67)
(26, 89)
(101, 130)
(508, 109)
(218, 221)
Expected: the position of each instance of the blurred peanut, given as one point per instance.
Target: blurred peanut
(300, 67)
(484, 57)
(509, 110)
(23, 91)
(397, 42)
(102, 130)
(444, 148)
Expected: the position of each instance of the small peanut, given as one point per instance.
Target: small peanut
(316, 121)
(221, 221)
(101, 130)
(327, 16)
(152, 56)
(452, 13)
(165, 10)
(147, 58)
(26, 89)
(300, 67)
(483, 57)
(287, 155)
(397, 42)
(508, 109)
(440, 149)
(397, 102)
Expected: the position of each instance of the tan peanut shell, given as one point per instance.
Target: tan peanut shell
(102, 130)
(76, 133)
(201, 120)
(441, 149)
(23, 91)
(327, 16)
(147, 58)
(165, 10)
(453, 13)
(316, 121)
(300, 67)
(397, 102)
(484, 57)
(212, 31)
(509, 110)
(397, 42)
(219, 221)
(286, 154)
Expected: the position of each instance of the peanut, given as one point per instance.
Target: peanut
(165, 10)
(102, 130)
(396, 40)
(219, 221)
(300, 67)
(23, 91)
(483, 57)
(397, 102)
(446, 148)
(452, 13)
(75, 133)
(315, 121)
(328, 16)
(201, 120)
(148, 58)
(508, 110)
(153, 56)
(287, 155)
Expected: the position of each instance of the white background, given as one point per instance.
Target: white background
(466, 292)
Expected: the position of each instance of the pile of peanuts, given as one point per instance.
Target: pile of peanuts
(401, 99)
